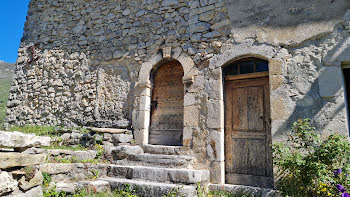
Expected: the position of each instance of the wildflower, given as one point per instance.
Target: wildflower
(341, 188)
(329, 194)
(324, 189)
(301, 187)
(337, 172)
(345, 195)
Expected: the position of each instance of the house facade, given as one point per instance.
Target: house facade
(221, 79)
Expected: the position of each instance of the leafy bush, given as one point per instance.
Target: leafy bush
(310, 165)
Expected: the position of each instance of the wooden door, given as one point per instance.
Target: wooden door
(167, 105)
(248, 159)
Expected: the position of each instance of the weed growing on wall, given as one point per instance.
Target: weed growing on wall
(310, 165)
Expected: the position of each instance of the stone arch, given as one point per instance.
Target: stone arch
(215, 116)
(141, 112)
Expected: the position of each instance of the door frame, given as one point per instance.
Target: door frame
(141, 112)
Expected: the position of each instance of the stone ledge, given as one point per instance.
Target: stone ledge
(12, 159)
(21, 140)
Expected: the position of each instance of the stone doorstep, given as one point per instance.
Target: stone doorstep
(247, 190)
(151, 189)
(163, 175)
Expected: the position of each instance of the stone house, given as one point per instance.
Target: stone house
(220, 79)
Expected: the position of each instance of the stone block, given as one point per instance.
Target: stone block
(60, 168)
(150, 189)
(35, 181)
(121, 138)
(214, 88)
(275, 67)
(276, 81)
(217, 144)
(21, 140)
(215, 116)
(346, 19)
(141, 119)
(84, 155)
(330, 82)
(123, 151)
(247, 190)
(199, 27)
(191, 116)
(278, 108)
(145, 103)
(217, 172)
(100, 186)
(12, 159)
(141, 136)
(35, 192)
(189, 99)
(187, 136)
(7, 183)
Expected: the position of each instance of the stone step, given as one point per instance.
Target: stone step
(72, 187)
(163, 175)
(157, 160)
(151, 189)
(162, 150)
(246, 190)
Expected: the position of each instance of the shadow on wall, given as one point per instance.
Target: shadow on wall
(323, 101)
(281, 13)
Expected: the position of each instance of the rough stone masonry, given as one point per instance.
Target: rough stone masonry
(91, 63)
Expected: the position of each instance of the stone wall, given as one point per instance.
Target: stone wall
(85, 62)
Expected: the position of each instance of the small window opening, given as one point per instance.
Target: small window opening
(246, 66)
(346, 73)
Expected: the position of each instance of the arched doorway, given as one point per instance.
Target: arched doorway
(167, 105)
(248, 157)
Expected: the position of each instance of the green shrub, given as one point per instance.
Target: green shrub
(308, 164)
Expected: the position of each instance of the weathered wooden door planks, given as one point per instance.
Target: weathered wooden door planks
(167, 105)
(248, 158)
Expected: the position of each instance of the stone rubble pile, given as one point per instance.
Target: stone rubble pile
(19, 171)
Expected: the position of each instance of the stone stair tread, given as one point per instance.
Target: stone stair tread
(158, 160)
(151, 189)
(159, 157)
(159, 174)
(161, 149)
(247, 190)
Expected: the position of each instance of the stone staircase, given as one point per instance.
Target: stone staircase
(157, 171)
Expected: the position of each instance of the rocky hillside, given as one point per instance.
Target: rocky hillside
(5, 79)
(6, 70)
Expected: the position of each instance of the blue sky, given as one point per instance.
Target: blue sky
(12, 18)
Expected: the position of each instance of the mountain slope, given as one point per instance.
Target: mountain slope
(5, 84)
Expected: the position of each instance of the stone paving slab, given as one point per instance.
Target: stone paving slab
(21, 140)
(13, 159)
